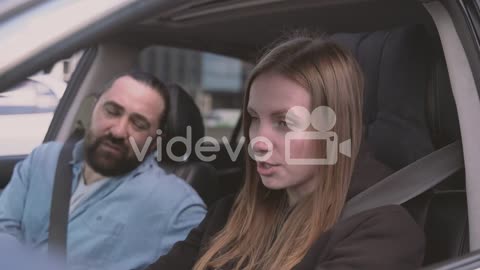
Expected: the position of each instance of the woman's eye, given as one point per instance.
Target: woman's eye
(282, 123)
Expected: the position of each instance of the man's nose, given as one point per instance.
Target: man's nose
(120, 128)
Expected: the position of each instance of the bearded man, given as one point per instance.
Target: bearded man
(124, 211)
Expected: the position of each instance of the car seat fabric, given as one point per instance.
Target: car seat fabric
(409, 111)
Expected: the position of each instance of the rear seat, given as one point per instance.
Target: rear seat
(185, 114)
(410, 112)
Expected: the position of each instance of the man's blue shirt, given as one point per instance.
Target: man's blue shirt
(126, 224)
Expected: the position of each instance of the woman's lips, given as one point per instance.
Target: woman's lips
(266, 169)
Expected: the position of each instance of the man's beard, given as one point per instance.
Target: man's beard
(107, 163)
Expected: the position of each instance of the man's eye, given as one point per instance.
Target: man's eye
(112, 111)
(140, 125)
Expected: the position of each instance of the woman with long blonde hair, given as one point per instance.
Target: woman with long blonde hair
(303, 97)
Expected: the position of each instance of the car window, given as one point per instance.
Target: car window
(27, 108)
(215, 82)
(29, 97)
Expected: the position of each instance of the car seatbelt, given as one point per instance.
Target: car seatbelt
(62, 189)
(60, 205)
(409, 181)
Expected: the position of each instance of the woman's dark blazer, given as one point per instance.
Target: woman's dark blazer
(378, 239)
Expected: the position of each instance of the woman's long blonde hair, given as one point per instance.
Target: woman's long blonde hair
(261, 232)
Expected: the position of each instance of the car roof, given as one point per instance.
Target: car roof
(235, 28)
(241, 28)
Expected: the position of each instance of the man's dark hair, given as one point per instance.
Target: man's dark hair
(151, 81)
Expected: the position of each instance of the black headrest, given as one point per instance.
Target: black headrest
(183, 115)
(397, 69)
(406, 100)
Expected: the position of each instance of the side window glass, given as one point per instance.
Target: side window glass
(215, 82)
(27, 108)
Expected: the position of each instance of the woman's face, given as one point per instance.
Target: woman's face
(271, 97)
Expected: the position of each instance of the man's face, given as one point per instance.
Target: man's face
(129, 109)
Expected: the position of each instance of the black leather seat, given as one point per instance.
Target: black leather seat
(396, 69)
(410, 112)
(183, 115)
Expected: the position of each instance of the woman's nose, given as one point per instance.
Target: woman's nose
(260, 145)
